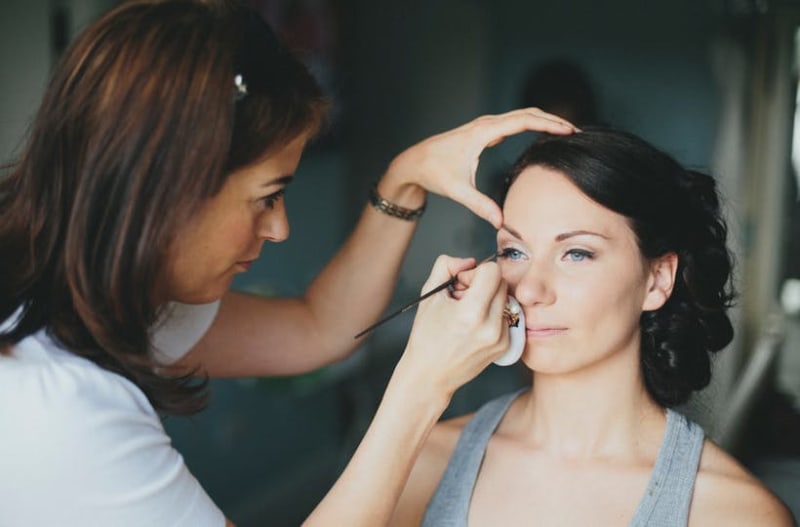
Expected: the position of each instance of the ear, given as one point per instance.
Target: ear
(660, 280)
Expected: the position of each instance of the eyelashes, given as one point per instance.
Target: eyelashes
(271, 200)
(578, 255)
(571, 255)
(509, 253)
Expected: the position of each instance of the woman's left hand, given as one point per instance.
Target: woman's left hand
(446, 163)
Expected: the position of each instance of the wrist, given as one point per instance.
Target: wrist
(416, 389)
(394, 202)
(403, 191)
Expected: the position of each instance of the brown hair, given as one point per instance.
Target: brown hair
(139, 125)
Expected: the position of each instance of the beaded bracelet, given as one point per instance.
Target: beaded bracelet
(392, 209)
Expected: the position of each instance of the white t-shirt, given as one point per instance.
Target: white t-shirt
(82, 446)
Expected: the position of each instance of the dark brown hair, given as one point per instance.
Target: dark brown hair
(139, 125)
(671, 210)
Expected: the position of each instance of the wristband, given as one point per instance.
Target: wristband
(392, 209)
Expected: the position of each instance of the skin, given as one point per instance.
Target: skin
(257, 336)
(579, 447)
(228, 232)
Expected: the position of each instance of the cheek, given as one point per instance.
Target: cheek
(511, 274)
(212, 247)
(598, 297)
(613, 305)
(231, 230)
(583, 295)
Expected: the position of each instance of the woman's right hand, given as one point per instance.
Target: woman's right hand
(454, 339)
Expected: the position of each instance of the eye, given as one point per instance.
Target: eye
(509, 253)
(271, 200)
(578, 255)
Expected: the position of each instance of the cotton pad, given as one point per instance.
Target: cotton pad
(516, 333)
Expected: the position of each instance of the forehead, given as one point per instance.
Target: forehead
(273, 165)
(547, 201)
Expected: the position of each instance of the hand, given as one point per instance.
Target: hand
(446, 163)
(465, 279)
(453, 340)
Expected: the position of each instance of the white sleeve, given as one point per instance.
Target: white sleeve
(181, 327)
(83, 447)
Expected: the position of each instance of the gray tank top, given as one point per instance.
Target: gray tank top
(665, 502)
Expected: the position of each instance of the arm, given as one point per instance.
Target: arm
(254, 336)
(450, 343)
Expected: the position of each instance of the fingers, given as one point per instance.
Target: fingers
(452, 341)
(485, 300)
(540, 115)
(444, 268)
(465, 279)
(498, 127)
(492, 130)
(446, 163)
(488, 296)
(480, 204)
(486, 284)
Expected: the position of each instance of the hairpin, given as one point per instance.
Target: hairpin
(241, 87)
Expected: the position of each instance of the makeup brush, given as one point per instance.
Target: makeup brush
(413, 303)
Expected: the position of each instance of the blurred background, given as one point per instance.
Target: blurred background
(712, 82)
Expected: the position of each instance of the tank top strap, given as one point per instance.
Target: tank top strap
(669, 491)
(449, 505)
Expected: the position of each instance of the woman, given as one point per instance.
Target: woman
(618, 258)
(154, 172)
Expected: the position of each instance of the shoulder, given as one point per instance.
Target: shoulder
(86, 442)
(727, 494)
(180, 327)
(428, 470)
(40, 378)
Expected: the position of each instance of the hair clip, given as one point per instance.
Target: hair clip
(241, 87)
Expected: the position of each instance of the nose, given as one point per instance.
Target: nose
(273, 225)
(534, 287)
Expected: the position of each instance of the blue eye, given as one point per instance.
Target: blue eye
(510, 254)
(271, 200)
(578, 255)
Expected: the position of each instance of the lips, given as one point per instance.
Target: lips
(540, 331)
(246, 265)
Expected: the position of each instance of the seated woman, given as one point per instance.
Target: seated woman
(618, 258)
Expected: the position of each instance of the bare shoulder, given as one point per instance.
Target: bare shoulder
(727, 494)
(428, 470)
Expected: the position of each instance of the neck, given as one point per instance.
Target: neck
(602, 410)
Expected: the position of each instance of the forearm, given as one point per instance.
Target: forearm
(258, 336)
(269, 336)
(353, 290)
(367, 492)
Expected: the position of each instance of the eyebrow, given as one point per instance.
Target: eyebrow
(564, 235)
(511, 231)
(283, 180)
(561, 237)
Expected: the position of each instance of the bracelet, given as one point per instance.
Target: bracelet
(392, 209)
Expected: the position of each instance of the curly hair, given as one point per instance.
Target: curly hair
(139, 126)
(671, 210)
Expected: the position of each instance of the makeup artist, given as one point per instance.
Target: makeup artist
(154, 172)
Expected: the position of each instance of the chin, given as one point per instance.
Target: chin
(546, 362)
(204, 296)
